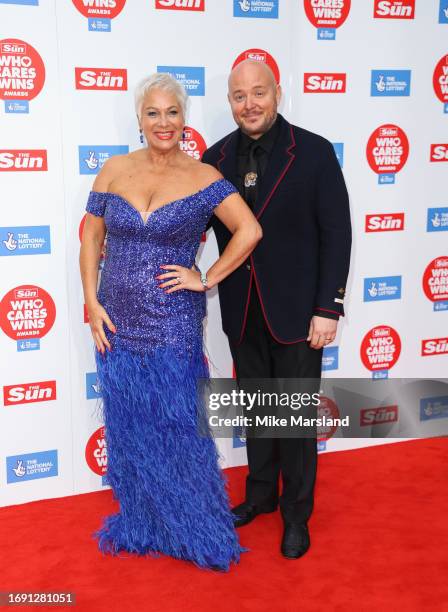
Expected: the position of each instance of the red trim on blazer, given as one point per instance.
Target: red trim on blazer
(280, 178)
(246, 309)
(328, 310)
(264, 313)
(223, 155)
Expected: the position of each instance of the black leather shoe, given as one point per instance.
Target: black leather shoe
(296, 540)
(246, 512)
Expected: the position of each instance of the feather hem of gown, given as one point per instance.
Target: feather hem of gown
(163, 472)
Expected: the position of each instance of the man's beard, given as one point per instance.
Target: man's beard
(265, 127)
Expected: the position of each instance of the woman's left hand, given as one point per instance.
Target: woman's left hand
(180, 278)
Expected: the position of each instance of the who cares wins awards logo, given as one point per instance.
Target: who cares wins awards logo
(22, 74)
(327, 16)
(327, 412)
(99, 12)
(192, 143)
(96, 452)
(435, 283)
(440, 81)
(380, 350)
(387, 152)
(259, 55)
(27, 314)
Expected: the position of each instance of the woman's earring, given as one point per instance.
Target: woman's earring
(141, 136)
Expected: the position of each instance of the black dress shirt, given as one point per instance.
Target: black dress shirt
(263, 147)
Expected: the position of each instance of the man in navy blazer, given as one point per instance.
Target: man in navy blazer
(281, 307)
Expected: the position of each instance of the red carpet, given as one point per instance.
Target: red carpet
(379, 542)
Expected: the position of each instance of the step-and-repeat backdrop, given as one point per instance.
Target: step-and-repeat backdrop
(369, 75)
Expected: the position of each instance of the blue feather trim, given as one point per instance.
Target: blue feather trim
(165, 475)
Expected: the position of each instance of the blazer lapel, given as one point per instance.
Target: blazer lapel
(227, 161)
(282, 156)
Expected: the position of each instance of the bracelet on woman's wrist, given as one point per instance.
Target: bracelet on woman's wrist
(204, 280)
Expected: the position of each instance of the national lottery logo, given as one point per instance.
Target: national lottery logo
(339, 150)
(29, 393)
(93, 157)
(443, 11)
(380, 348)
(437, 219)
(394, 9)
(385, 222)
(23, 160)
(192, 143)
(386, 83)
(438, 153)
(22, 73)
(181, 5)
(433, 347)
(382, 288)
(440, 80)
(330, 358)
(101, 79)
(27, 311)
(26, 240)
(387, 152)
(21, 2)
(31, 466)
(191, 77)
(434, 408)
(262, 9)
(435, 282)
(327, 16)
(96, 452)
(93, 390)
(320, 82)
(259, 55)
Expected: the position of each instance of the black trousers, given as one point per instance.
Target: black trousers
(260, 356)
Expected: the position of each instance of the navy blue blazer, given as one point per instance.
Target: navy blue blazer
(300, 266)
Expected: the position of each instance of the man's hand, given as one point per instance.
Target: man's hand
(322, 331)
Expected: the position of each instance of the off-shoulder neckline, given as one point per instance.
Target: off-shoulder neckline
(152, 212)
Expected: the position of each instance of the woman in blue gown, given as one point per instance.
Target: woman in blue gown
(146, 321)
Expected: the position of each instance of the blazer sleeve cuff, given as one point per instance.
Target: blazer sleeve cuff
(327, 313)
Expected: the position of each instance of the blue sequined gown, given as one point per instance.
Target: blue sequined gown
(164, 474)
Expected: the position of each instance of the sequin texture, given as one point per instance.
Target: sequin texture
(145, 316)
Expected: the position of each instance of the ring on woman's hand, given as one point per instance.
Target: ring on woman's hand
(179, 280)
